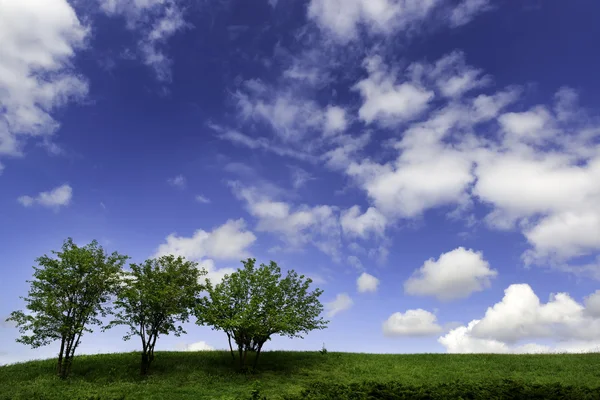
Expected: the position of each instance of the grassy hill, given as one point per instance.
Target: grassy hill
(212, 375)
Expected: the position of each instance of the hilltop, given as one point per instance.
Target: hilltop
(212, 375)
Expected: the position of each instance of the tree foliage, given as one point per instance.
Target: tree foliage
(154, 297)
(67, 295)
(253, 304)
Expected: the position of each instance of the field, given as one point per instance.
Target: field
(212, 375)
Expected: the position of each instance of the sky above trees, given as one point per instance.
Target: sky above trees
(433, 166)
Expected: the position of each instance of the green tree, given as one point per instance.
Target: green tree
(154, 297)
(67, 295)
(253, 304)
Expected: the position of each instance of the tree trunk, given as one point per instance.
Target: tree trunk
(65, 367)
(241, 358)
(60, 356)
(244, 361)
(230, 347)
(145, 364)
(257, 354)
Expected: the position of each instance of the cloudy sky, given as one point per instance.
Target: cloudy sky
(433, 165)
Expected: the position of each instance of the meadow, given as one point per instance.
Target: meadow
(213, 374)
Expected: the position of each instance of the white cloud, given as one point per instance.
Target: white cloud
(451, 75)
(465, 11)
(552, 198)
(367, 283)
(239, 138)
(58, 197)
(214, 275)
(592, 304)
(199, 346)
(300, 177)
(456, 274)
(202, 199)
(412, 323)
(36, 76)
(342, 18)
(520, 317)
(423, 177)
(318, 225)
(291, 116)
(384, 100)
(356, 224)
(335, 120)
(355, 262)
(537, 169)
(341, 303)
(179, 181)
(347, 148)
(229, 241)
(156, 21)
(530, 126)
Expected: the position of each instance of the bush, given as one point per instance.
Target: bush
(506, 389)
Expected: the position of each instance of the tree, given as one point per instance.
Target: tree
(153, 298)
(67, 295)
(253, 304)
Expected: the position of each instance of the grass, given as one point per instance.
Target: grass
(212, 375)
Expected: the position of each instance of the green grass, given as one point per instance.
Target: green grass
(212, 375)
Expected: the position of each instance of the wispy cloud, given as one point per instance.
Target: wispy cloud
(179, 182)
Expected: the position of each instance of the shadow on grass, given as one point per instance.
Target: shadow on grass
(125, 367)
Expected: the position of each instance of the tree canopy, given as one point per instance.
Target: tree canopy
(253, 304)
(154, 298)
(67, 295)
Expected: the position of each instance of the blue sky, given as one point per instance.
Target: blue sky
(433, 165)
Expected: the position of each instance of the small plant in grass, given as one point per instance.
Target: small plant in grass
(323, 351)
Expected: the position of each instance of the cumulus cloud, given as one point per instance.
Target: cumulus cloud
(450, 75)
(299, 226)
(455, 275)
(229, 241)
(36, 75)
(58, 197)
(342, 18)
(386, 101)
(356, 224)
(342, 302)
(198, 346)
(335, 120)
(367, 283)
(411, 323)
(536, 169)
(520, 316)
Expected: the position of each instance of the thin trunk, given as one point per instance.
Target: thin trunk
(257, 354)
(230, 347)
(241, 358)
(152, 348)
(145, 363)
(60, 355)
(245, 353)
(64, 370)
